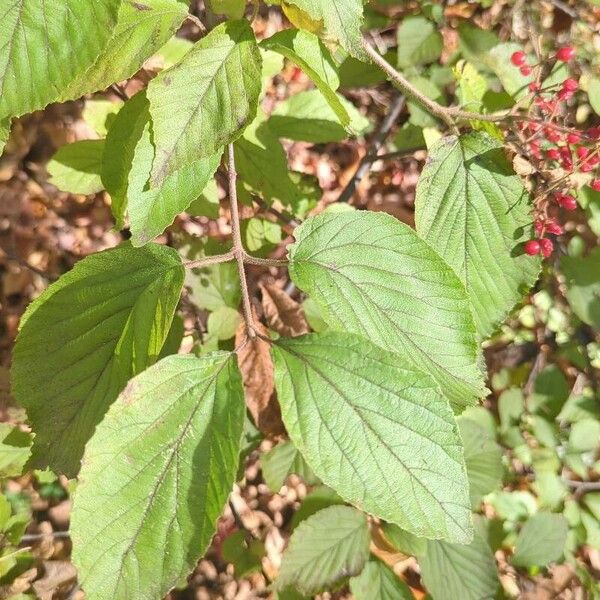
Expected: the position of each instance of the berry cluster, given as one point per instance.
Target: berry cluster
(555, 149)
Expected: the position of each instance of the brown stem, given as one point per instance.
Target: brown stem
(238, 248)
(209, 260)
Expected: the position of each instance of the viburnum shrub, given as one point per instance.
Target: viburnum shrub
(369, 398)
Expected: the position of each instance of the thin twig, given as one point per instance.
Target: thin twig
(264, 262)
(209, 260)
(36, 537)
(238, 247)
(448, 114)
(378, 139)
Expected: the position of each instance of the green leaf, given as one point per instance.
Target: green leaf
(472, 208)
(262, 165)
(419, 42)
(582, 277)
(98, 114)
(585, 435)
(379, 582)
(457, 572)
(321, 497)
(308, 117)
(313, 58)
(594, 94)
(84, 338)
(541, 541)
(409, 137)
(483, 458)
(14, 451)
(36, 63)
(330, 545)
(142, 28)
(514, 83)
(126, 170)
(306, 49)
(246, 557)
(372, 275)
(76, 167)
(232, 9)
(205, 102)
(5, 125)
(157, 474)
(374, 429)
(223, 323)
(404, 541)
(215, 286)
(281, 461)
(342, 20)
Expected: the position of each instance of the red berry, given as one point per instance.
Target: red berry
(586, 167)
(566, 201)
(532, 247)
(554, 228)
(547, 246)
(564, 95)
(594, 133)
(553, 154)
(570, 84)
(551, 135)
(526, 70)
(534, 86)
(582, 151)
(518, 58)
(539, 227)
(573, 138)
(566, 54)
(595, 185)
(594, 160)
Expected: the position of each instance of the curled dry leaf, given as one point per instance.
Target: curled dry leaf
(256, 366)
(58, 576)
(283, 314)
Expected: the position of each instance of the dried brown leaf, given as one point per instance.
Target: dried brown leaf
(256, 366)
(58, 575)
(283, 314)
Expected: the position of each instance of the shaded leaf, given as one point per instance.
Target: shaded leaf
(281, 461)
(76, 167)
(379, 582)
(307, 116)
(83, 339)
(483, 457)
(375, 429)
(330, 545)
(126, 170)
(404, 541)
(172, 441)
(458, 572)
(372, 275)
(419, 42)
(583, 286)
(541, 540)
(14, 451)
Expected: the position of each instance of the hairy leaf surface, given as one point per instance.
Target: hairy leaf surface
(156, 476)
(326, 547)
(205, 102)
(126, 172)
(373, 275)
(376, 430)
(378, 582)
(36, 61)
(473, 209)
(84, 338)
(142, 28)
(459, 572)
